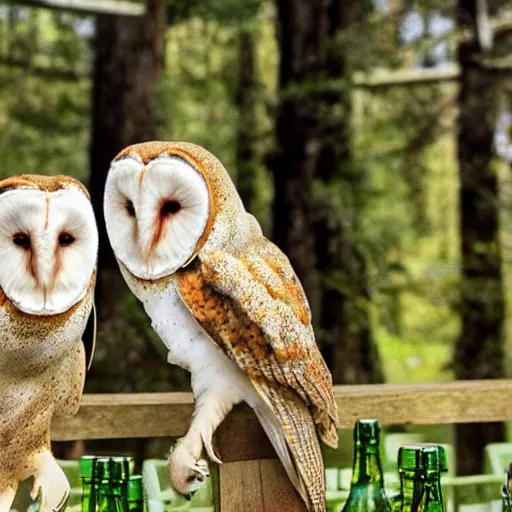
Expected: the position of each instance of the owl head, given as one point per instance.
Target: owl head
(48, 243)
(165, 203)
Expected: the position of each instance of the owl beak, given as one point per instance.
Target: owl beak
(145, 227)
(46, 269)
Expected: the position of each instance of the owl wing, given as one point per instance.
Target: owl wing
(75, 367)
(253, 307)
(89, 337)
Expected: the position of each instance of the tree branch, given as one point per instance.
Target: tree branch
(67, 75)
(116, 7)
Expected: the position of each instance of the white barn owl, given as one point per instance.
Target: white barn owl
(227, 305)
(48, 248)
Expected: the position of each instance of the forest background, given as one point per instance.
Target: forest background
(371, 139)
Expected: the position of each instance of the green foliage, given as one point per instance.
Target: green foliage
(403, 184)
(421, 360)
(195, 95)
(44, 123)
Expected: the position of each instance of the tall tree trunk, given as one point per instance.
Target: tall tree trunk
(129, 58)
(348, 345)
(246, 160)
(302, 34)
(313, 171)
(479, 351)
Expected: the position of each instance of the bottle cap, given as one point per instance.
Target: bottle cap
(135, 488)
(434, 458)
(419, 457)
(112, 468)
(87, 465)
(409, 458)
(367, 432)
(120, 467)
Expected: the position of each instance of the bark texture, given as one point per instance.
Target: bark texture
(479, 351)
(317, 182)
(129, 58)
(246, 159)
(302, 33)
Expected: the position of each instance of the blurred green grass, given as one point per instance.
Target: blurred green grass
(405, 361)
(413, 360)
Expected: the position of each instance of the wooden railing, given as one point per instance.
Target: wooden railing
(251, 478)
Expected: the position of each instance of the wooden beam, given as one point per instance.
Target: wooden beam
(426, 404)
(406, 77)
(168, 414)
(123, 415)
(115, 7)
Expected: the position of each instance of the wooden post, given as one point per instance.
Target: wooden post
(251, 477)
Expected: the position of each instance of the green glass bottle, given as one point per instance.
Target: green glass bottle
(104, 483)
(87, 463)
(420, 468)
(367, 492)
(506, 490)
(506, 499)
(110, 485)
(411, 481)
(135, 494)
(434, 463)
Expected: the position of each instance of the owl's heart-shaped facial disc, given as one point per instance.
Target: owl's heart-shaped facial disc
(155, 214)
(48, 246)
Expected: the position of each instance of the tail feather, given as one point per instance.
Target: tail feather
(293, 434)
(328, 434)
(275, 434)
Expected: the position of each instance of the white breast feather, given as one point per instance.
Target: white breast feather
(192, 349)
(211, 370)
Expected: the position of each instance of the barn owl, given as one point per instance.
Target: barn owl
(227, 305)
(48, 248)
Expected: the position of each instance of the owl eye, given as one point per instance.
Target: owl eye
(21, 240)
(130, 208)
(66, 239)
(170, 207)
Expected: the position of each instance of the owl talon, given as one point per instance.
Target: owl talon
(202, 469)
(50, 485)
(209, 450)
(186, 474)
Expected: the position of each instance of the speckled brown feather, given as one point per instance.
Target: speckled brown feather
(46, 183)
(34, 388)
(259, 317)
(283, 346)
(42, 364)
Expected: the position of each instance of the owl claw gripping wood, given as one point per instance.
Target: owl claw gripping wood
(227, 305)
(48, 248)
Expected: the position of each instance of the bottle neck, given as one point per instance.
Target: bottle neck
(433, 497)
(412, 486)
(367, 467)
(421, 491)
